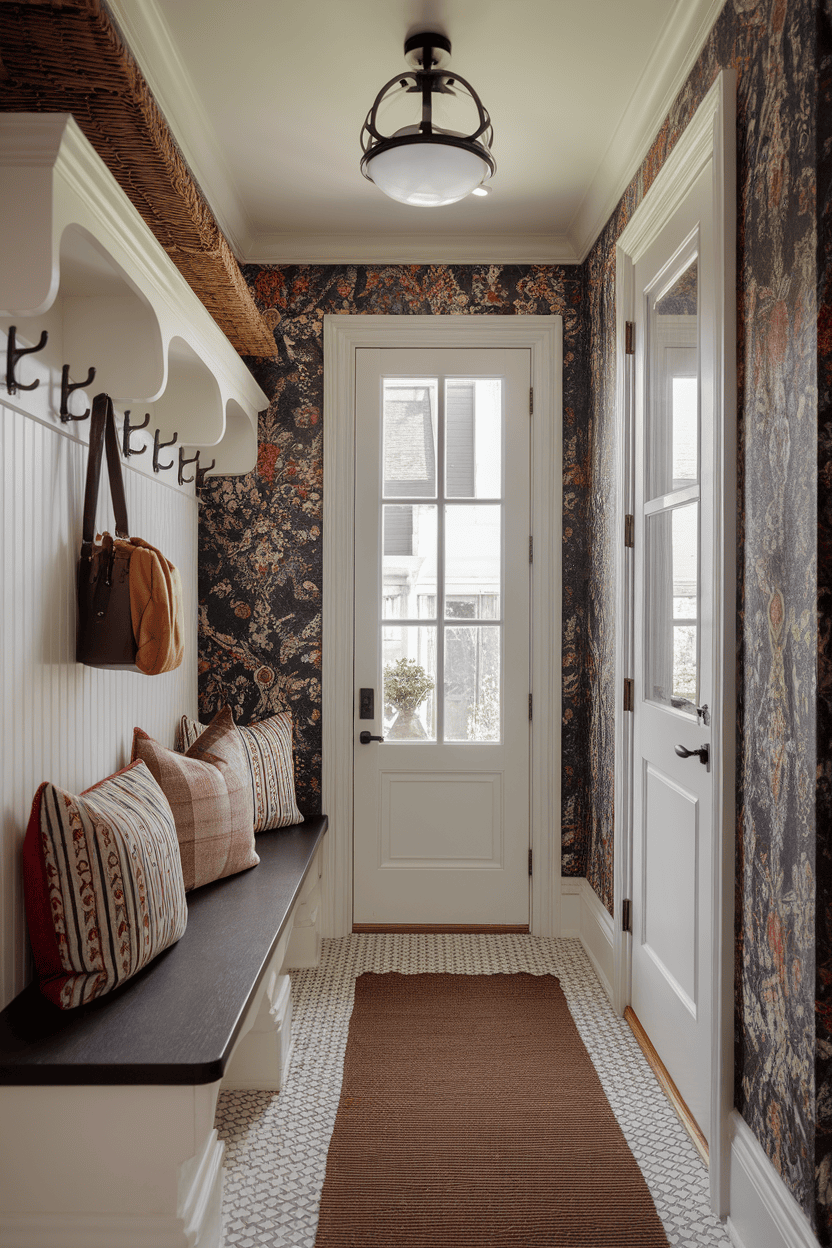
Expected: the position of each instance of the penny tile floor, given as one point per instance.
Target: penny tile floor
(276, 1145)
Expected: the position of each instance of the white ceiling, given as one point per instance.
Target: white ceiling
(267, 98)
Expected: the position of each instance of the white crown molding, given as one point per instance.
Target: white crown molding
(410, 249)
(151, 42)
(663, 77)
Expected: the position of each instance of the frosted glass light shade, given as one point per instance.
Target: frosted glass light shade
(427, 175)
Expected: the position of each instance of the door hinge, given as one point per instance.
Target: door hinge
(626, 916)
(531, 550)
(531, 400)
(530, 862)
(629, 531)
(530, 706)
(630, 338)
(629, 695)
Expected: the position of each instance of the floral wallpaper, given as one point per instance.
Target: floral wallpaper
(261, 546)
(823, 932)
(772, 46)
(260, 535)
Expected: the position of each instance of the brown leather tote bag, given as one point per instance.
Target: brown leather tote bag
(105, 627)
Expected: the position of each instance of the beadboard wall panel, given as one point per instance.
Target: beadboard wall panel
(62, 721)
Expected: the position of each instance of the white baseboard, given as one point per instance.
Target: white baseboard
(764, 1214)
(196, 1224)
(584, 916)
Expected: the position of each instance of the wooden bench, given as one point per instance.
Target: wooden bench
(107, 1111)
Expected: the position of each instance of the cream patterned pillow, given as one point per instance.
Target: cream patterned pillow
(103, 884)
(269, 750)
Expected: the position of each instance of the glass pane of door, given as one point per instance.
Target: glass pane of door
(442, 562)
(671, 473)
(409, 435)
(673, 389)
(671, 585)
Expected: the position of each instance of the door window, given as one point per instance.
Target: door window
(443, 559)
(671, 508)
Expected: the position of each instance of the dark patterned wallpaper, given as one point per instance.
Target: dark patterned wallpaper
(260, 535)
(260, 555)
(772, 46)
(823, 1053)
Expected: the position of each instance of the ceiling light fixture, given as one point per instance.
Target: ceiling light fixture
(425, 164)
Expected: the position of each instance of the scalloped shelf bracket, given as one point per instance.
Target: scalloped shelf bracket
(71, 237)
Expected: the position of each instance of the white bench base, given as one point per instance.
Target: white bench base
(117, 1166)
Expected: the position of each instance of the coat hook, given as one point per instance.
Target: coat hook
(67, 388)
(13, 354)
(157, 446)
(200, 474)
(126, 449)
(180, 476)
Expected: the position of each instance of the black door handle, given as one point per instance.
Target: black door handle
(703, 754)
(366, 737)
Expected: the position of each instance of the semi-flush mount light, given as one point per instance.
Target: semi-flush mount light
(425, 164)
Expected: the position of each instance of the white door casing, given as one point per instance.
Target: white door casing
(441, 827)
(706, 146)
(343, 336)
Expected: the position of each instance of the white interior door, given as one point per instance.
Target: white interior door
(442, 574)
(674, 647)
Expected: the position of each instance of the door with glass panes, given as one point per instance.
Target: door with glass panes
(442, 585)
(674, 646)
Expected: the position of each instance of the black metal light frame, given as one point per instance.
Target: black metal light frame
(427, 82)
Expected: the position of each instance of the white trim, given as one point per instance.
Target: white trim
(150, 40)
(708, 138)
(583, 915)
(343, 335)
(422, 248)
(663, 77)
(624, 654)
(697, 145)
(764, 1213)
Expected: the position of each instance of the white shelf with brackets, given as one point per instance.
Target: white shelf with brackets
(77, 260)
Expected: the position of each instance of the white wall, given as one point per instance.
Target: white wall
(62, 721)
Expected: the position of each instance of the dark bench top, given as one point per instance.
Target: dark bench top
(177, 1020)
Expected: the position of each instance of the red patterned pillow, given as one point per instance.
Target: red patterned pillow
(209, 791)
(103, 884)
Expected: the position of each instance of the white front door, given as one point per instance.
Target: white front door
(442, 573)
(674, 646)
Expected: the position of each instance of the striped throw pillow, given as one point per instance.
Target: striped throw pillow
(210, 796)
(269, 750)
(103, 884)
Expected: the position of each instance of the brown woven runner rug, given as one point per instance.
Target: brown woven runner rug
(471, 1117)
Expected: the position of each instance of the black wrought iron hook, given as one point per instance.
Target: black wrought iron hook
(126, 449)
(181, 478)
(200, 474)
(157, 446)
(13, 354)
(67, 388)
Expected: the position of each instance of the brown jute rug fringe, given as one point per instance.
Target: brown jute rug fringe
(471, 1117)
(68, 56)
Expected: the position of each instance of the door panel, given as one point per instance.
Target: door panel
(442, 636)
(673, 598)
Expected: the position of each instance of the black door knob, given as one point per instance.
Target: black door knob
(366, 737)
(703, 754)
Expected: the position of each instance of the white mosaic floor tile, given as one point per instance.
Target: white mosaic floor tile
(276, 1145)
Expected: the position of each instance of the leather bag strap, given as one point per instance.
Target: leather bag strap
(103, 434)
